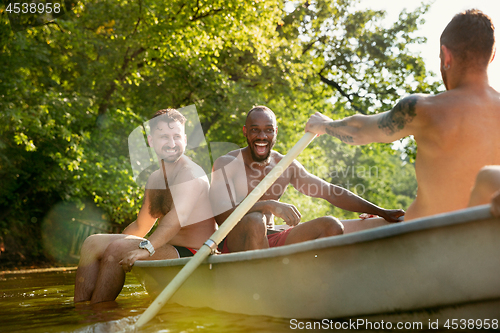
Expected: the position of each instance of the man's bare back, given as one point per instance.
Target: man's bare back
(456, 131)
(458, 137)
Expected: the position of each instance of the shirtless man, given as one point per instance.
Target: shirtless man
(456, 131)
(236, 174)
(176, 195)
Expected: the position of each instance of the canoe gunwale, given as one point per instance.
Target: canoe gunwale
(467, 215)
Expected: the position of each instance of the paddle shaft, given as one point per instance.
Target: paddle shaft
(224, 229)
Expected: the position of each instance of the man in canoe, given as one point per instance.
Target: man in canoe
(235, 174)
(176, 195)
(456, 131)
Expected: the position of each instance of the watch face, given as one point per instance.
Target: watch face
(143, 243)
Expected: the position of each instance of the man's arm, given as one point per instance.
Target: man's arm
(144, 222)
(224, 199)
(360, 129)
(186, 194)
(168, 227)
(316, 187)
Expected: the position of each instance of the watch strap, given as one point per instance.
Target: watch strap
(145, 244)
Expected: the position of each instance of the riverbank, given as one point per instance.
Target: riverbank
(15, 261)
(38, 270)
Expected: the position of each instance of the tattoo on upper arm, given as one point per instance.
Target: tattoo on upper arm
(330, 130)
(402, 114)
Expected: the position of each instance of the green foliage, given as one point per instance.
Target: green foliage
(72, 90)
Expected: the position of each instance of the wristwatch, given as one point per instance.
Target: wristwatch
(145, 244)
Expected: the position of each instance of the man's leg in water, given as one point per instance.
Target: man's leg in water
(111, 276)
(91, 254)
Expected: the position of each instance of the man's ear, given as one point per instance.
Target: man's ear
(150, 141)
(244, 130)
(446, 56)
(493, 56)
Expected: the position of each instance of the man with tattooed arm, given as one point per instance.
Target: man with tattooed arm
(456, 131)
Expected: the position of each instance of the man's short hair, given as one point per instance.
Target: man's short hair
(259, 108)
(470, 36)
(167, 115)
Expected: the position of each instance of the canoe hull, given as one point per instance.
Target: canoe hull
(429, 268)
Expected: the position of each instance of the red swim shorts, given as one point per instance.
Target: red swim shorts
(276, 239)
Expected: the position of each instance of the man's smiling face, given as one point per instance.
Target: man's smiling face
(260, 130)
(168, 140)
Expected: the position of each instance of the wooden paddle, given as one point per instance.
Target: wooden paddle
(223, 230)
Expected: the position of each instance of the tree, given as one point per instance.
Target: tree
(73, 89)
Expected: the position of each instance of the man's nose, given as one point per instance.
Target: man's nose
(170, 142)
(262, 134)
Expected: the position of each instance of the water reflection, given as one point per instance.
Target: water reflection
(43, 302)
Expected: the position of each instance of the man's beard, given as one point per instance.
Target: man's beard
(172, 159)
(265, 158)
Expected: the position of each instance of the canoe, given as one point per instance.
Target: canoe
(436, 268)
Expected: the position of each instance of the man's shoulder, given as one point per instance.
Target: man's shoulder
(187, 170)
(415, 101)
(226, 159)
(433, 109)
(446, 100)
(190, 180)
(418, 109)
(190, 170)
(156, 180)
(291, 169)
(277, 157)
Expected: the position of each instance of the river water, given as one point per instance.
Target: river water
(42, 301)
